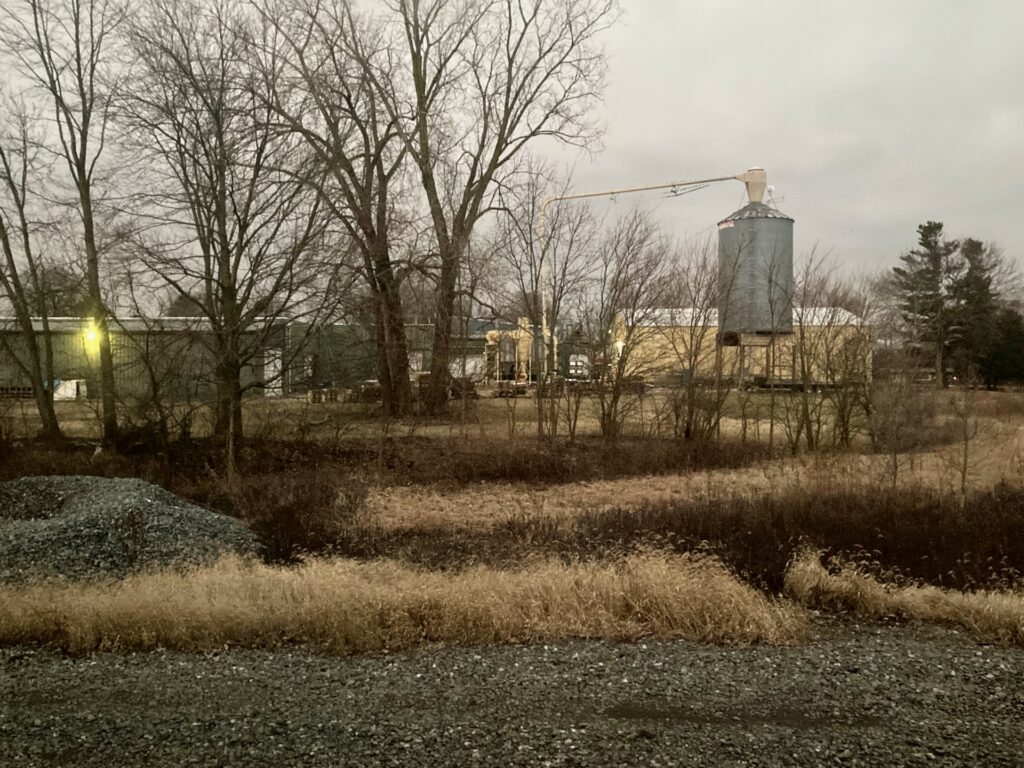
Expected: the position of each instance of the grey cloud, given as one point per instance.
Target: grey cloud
(870, 117)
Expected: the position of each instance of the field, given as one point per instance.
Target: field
(679, 592)
(332, 479)
(487, 416)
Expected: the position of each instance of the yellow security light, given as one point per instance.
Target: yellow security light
(91, 337)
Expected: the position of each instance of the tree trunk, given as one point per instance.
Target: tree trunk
(47, 413)
(40, 375)
(40, 365)
(98, 313)
(387, 391)
(440, 375)
(397, 348)
(229, 407)
(228, 373)
(235, 434)
(50, 430)
(392, 349)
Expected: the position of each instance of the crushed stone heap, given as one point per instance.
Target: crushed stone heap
(78, 527)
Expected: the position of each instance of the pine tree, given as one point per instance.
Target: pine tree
(1004, 360)
(925, 285)
(974, 329)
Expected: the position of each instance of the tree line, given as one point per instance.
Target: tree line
(957, 300)
(247, 162)
(255, 160)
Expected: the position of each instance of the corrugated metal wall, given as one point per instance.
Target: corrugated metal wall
(755, 263)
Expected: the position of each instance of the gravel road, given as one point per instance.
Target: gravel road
(857, 695)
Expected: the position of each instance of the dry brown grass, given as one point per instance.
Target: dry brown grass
(996, 617)
(349, 607)
(997, 453)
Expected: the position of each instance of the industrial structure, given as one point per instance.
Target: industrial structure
(754, 336)
(828, 347)
(176, 355)
(755, 274)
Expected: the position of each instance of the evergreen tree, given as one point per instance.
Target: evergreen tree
(974, 329)
(925, 284)
(1004, 360)
(182, 305)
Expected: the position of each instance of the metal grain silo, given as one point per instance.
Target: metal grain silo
(755, 272)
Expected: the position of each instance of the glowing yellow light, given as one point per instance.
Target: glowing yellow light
(91, 338)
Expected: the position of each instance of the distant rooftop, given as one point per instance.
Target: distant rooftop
(131, 324)
(755, 211)
(689, 316)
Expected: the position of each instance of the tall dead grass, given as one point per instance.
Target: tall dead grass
(347, 607)
(989, 616)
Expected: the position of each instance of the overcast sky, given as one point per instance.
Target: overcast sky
(870, 117)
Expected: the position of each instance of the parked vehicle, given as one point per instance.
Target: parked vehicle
(512, 388)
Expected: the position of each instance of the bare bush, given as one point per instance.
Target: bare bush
(297, 513)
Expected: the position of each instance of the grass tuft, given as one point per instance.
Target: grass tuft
(348, 607)
(989, 616)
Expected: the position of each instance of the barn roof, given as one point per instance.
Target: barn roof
(690, 316)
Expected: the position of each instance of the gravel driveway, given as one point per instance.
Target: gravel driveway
(858, 695)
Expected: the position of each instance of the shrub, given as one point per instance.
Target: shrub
(915, 532)
(482, 460)
(296, 513)
(911, 533)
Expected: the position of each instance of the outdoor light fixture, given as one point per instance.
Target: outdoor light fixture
(91, 337)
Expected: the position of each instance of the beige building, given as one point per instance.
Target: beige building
(829, 347)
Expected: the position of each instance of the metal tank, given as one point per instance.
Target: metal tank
(755, 271)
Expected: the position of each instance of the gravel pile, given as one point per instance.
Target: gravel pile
(97, 528)
(867, 696)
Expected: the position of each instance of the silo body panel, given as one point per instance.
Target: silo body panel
(755, 272)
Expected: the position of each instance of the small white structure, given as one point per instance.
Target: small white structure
(70, 389)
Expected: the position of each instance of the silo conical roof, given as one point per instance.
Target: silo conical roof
(755, 211)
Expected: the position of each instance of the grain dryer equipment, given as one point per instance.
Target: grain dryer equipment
(762, 236)
(755, 269)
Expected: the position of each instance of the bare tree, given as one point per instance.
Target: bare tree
(814, 322)
(166, 358)
(618, 316)
(67, 50)
(847, 359)
(23, 273)
(249, 231)
(689, 332)
(478, 82)
(831, 357)
(324, 95)
(778, 272)
(966, 421)
(898, 409)
(543, 272)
